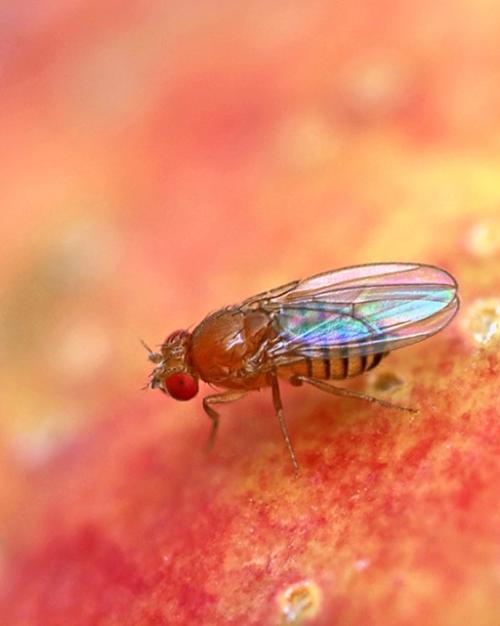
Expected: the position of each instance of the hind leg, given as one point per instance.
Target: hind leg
(347, 393)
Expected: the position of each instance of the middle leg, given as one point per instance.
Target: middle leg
(278, 407)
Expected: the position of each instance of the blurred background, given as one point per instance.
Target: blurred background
(161, 159)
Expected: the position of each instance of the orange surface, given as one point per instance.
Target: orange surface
(160, 160)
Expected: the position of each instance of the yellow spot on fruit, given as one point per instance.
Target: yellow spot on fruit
(299, 603)
(385, 381)
(483, 240)
(482, 321)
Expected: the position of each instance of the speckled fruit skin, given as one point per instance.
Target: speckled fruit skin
(167, 160)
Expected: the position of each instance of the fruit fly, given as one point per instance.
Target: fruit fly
(328, 327)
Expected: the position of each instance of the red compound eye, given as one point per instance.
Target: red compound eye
(181, 386)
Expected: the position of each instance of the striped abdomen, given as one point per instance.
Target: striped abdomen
(332, 368)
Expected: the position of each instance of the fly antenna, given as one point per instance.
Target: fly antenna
(154, 357)
(146, 346)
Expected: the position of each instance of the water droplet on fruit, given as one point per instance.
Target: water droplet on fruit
(299, 602)
(79, 350)
(375, 90)
(306, 142)
(483, 239)
(482, 321)
(361, 564)
(35, 447)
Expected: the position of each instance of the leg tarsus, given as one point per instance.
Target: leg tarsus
(278, 407)
(218, 398)
(348, 393)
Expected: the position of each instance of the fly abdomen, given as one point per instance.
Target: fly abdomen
(336, 368)
(355, 365)
(344, 367)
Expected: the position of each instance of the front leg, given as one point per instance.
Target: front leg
(218, 398)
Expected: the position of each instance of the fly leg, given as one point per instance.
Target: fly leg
(218, 398)
(278, 407)
(347, 393)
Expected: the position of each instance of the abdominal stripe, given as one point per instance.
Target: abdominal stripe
(345, 361)
(328, 370)
(376, 360)
(309, 364)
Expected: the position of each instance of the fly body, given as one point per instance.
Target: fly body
(331, 326)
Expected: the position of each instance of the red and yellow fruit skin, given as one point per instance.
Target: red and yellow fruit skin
(147, 179)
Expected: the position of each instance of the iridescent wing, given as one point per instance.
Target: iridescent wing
(358, 310)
